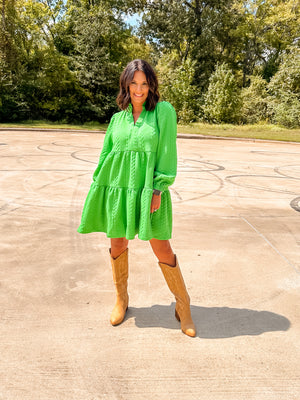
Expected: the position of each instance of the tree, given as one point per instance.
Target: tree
(61, 59)
(200, 30)
(255, 101)
(36, 82)
(102, 46)
(222, 99)
(284, 89)
(176, 86)
(266, 29)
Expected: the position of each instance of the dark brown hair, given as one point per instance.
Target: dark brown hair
(126, 78)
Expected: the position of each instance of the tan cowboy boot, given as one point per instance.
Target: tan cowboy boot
(120, 277)
(176, 284)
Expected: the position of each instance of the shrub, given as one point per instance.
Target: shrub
(176, 86)
(284, 89)
(222, 99)
(255, 101)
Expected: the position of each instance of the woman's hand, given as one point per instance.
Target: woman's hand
(155, 203)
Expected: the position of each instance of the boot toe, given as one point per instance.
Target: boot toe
(116, 321)
(190, 332)
(118, 315)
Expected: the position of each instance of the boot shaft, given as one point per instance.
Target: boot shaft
(120, 270)
(175, 282)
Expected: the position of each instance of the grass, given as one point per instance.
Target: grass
(91, 126)
(258, 131)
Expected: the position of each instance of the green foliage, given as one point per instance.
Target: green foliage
(255, 101)
(98, 35)
(284, 89)
(265, 30)
(52, 91)
(287, 79)
(287, 112)
(46, 89)
(222, 99)
(176, 86)
(135, 47)
(61, 60)
(63, 63)
(201, 31)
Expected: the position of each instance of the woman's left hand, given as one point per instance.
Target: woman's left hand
(155, 203)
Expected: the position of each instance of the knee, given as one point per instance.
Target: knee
(163, 251)
(118, 245)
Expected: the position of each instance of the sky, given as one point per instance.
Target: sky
(133, 20)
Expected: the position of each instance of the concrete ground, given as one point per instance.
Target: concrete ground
(236, 233)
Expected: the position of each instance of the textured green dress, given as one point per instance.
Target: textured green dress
(135, 159)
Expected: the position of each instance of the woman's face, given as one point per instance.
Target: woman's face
(138, 88)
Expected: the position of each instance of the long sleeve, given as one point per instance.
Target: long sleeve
(106, 149)
(166, 160)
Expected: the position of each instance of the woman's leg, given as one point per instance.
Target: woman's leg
(163, 251)
(170, 268)
(119, 263)
(118, 245)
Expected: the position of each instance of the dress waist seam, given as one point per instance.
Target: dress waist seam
(122, 187)
(133, 151)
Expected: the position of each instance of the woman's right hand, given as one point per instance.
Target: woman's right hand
(155, 203)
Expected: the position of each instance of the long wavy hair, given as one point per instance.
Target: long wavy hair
(126, 78)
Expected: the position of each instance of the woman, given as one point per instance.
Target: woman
(129, 194)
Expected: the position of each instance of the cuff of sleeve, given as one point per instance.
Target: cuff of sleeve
(157, 192)
(159, 186)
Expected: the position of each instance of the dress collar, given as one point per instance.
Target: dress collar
(129, 108)
(140, 120)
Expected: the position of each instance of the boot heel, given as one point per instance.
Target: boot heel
(177, 316)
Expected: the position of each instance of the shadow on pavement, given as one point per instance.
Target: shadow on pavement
(212, 322)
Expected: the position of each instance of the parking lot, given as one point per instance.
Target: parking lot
(236, 233)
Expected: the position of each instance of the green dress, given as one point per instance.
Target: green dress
(135, 159)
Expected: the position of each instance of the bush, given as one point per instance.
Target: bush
(286, 111)
(176, 86)
(284, 89)
(222, 99)
(255, 101)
